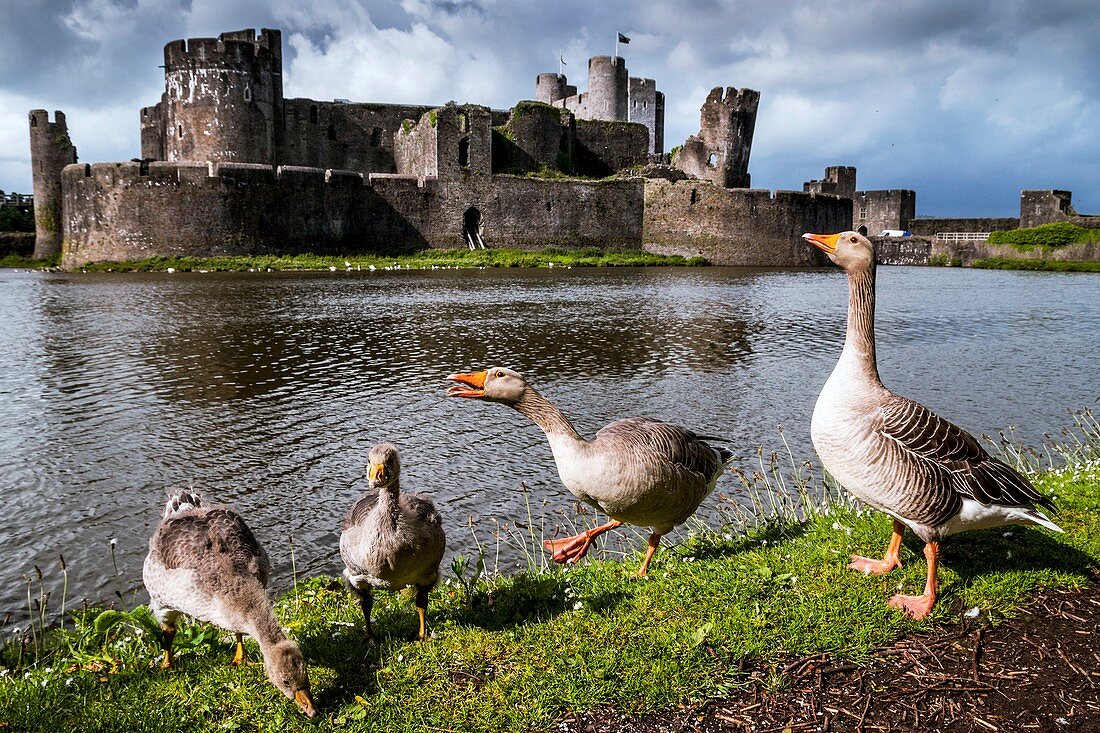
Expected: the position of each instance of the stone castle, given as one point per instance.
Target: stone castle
(229, 166)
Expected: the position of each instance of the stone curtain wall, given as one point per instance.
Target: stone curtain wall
(928, 227)
(356, 137)
(748, 227)
(602, 148)
(131, 211)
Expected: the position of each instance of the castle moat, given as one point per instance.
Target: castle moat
(266, 391)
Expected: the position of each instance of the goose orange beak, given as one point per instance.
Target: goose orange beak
(375, 473)
(305, 702)
(470, 384)
(824, 242)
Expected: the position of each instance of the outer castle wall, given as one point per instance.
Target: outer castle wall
(132, 211)
(749, 227)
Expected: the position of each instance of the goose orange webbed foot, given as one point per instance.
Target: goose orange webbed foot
(871, 566)
(569, 549)
(915, 607)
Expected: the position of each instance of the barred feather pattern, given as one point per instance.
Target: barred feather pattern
(210, 537)
(899, 456)
(636, 470)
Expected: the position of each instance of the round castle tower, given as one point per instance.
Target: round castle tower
(549, 88)
(223, 98)
(607, 88)
(51, 150)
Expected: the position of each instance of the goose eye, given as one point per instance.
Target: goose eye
(500, 374)
(852, 240)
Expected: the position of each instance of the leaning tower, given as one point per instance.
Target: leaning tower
(720, 152)
(223, 97)
(51, 150)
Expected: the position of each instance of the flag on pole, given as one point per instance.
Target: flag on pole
(622, 38)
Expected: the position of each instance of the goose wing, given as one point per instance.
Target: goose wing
(361, 509)
(197, 538)
(974, 474)
(672, 446)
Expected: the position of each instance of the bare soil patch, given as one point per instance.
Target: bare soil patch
(1037, 672)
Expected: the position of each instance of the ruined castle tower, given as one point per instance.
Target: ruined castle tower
(223, 100)
(720, 152)
(51, 150)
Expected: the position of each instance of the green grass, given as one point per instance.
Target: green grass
(29, 262)
(1012, 263)
(514, 652)
(1045, 236)
(421, 260)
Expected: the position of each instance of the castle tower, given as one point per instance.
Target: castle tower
(51, 150)
(223, 98)
(720, 152)
(549, 88)
(839, 180)
(608, 88)
(152, 131)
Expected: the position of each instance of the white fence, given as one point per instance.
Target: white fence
(962, 236)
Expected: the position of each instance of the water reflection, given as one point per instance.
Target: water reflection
(266, 391)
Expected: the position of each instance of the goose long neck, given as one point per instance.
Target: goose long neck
(859, 341)
(546, 415)
(265, 627)
(389, 502)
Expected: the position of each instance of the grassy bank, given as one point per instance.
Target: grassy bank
(513, 652)
(1012, 263)
(422, 260)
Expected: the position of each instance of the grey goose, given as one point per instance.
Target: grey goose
(900, 457)
(637, 470)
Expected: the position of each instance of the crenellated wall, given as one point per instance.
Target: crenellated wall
(749, 227)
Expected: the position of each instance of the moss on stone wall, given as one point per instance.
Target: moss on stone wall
(47, 217)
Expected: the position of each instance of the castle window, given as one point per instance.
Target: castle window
(34, 121)
(313, 114)
(331, 132)
(248, 92)
(862, 212)
(645, 104)
(87, 170)
(462, 122)
(179, 130)
(464, 152)
(694, 195)
(376, 137)
(712, 160)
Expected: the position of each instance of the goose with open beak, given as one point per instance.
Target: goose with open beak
(637, 470)
(897, 455)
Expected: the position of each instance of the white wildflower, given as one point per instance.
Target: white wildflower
(973, 612)
(578, 605)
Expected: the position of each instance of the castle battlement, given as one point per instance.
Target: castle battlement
(744, 98)
(235, 48)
